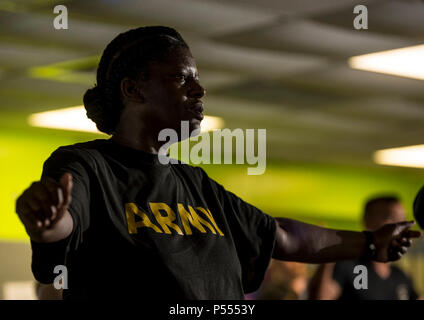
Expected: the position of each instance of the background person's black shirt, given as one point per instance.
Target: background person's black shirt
(395, 287)
(152, 231)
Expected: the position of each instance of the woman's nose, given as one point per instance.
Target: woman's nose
(197, 90)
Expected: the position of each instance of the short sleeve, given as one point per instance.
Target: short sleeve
(253, 233)
(45, 256)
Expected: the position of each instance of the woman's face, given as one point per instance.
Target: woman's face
(172, 93)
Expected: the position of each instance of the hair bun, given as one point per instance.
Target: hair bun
(95, 107)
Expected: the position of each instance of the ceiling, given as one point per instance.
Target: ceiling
(278, 64)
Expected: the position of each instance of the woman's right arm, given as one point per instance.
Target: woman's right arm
(43, 209)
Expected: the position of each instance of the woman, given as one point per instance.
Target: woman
(127, 226)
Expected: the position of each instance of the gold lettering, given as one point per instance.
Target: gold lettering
(187, 217)
(210, 216)
(201, 220)
(165, 221)
(131, 210)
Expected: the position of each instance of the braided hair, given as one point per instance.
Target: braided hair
(127, 55)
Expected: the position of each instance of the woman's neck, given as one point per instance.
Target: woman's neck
(136, 142)
(131, 132)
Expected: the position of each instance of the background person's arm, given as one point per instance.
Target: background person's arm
(48, 292)
(322, 286)
(302, 242)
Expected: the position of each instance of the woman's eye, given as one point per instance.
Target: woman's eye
(181, 77)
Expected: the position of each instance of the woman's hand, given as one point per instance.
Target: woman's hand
(43, 209)
(392, 240)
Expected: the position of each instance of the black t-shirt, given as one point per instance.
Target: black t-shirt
(396, 287)
(152, 231)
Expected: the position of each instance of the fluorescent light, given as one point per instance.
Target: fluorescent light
(75, 119)
(405, 62)
(411, 156)
(210, 123)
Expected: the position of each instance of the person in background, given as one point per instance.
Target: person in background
(47, 292)
(283, 280)
(385, 281)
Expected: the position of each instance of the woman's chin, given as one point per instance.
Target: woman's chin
(195, 127)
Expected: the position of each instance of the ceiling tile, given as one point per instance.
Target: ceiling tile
(303, 36)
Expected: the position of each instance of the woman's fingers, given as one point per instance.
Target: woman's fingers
(411, 234)
(405, 242)
(66, 185)
(56, 196)
(27, 214)
(53, 187)
(60, 195)
(30, 208)
(43, 201)
(41, 194)
(399, 247)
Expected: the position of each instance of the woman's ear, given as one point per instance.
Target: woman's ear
(130, 90)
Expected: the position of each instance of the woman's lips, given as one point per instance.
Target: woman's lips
(197, 114)
(197, 111)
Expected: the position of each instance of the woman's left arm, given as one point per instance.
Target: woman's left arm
(302, 242)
